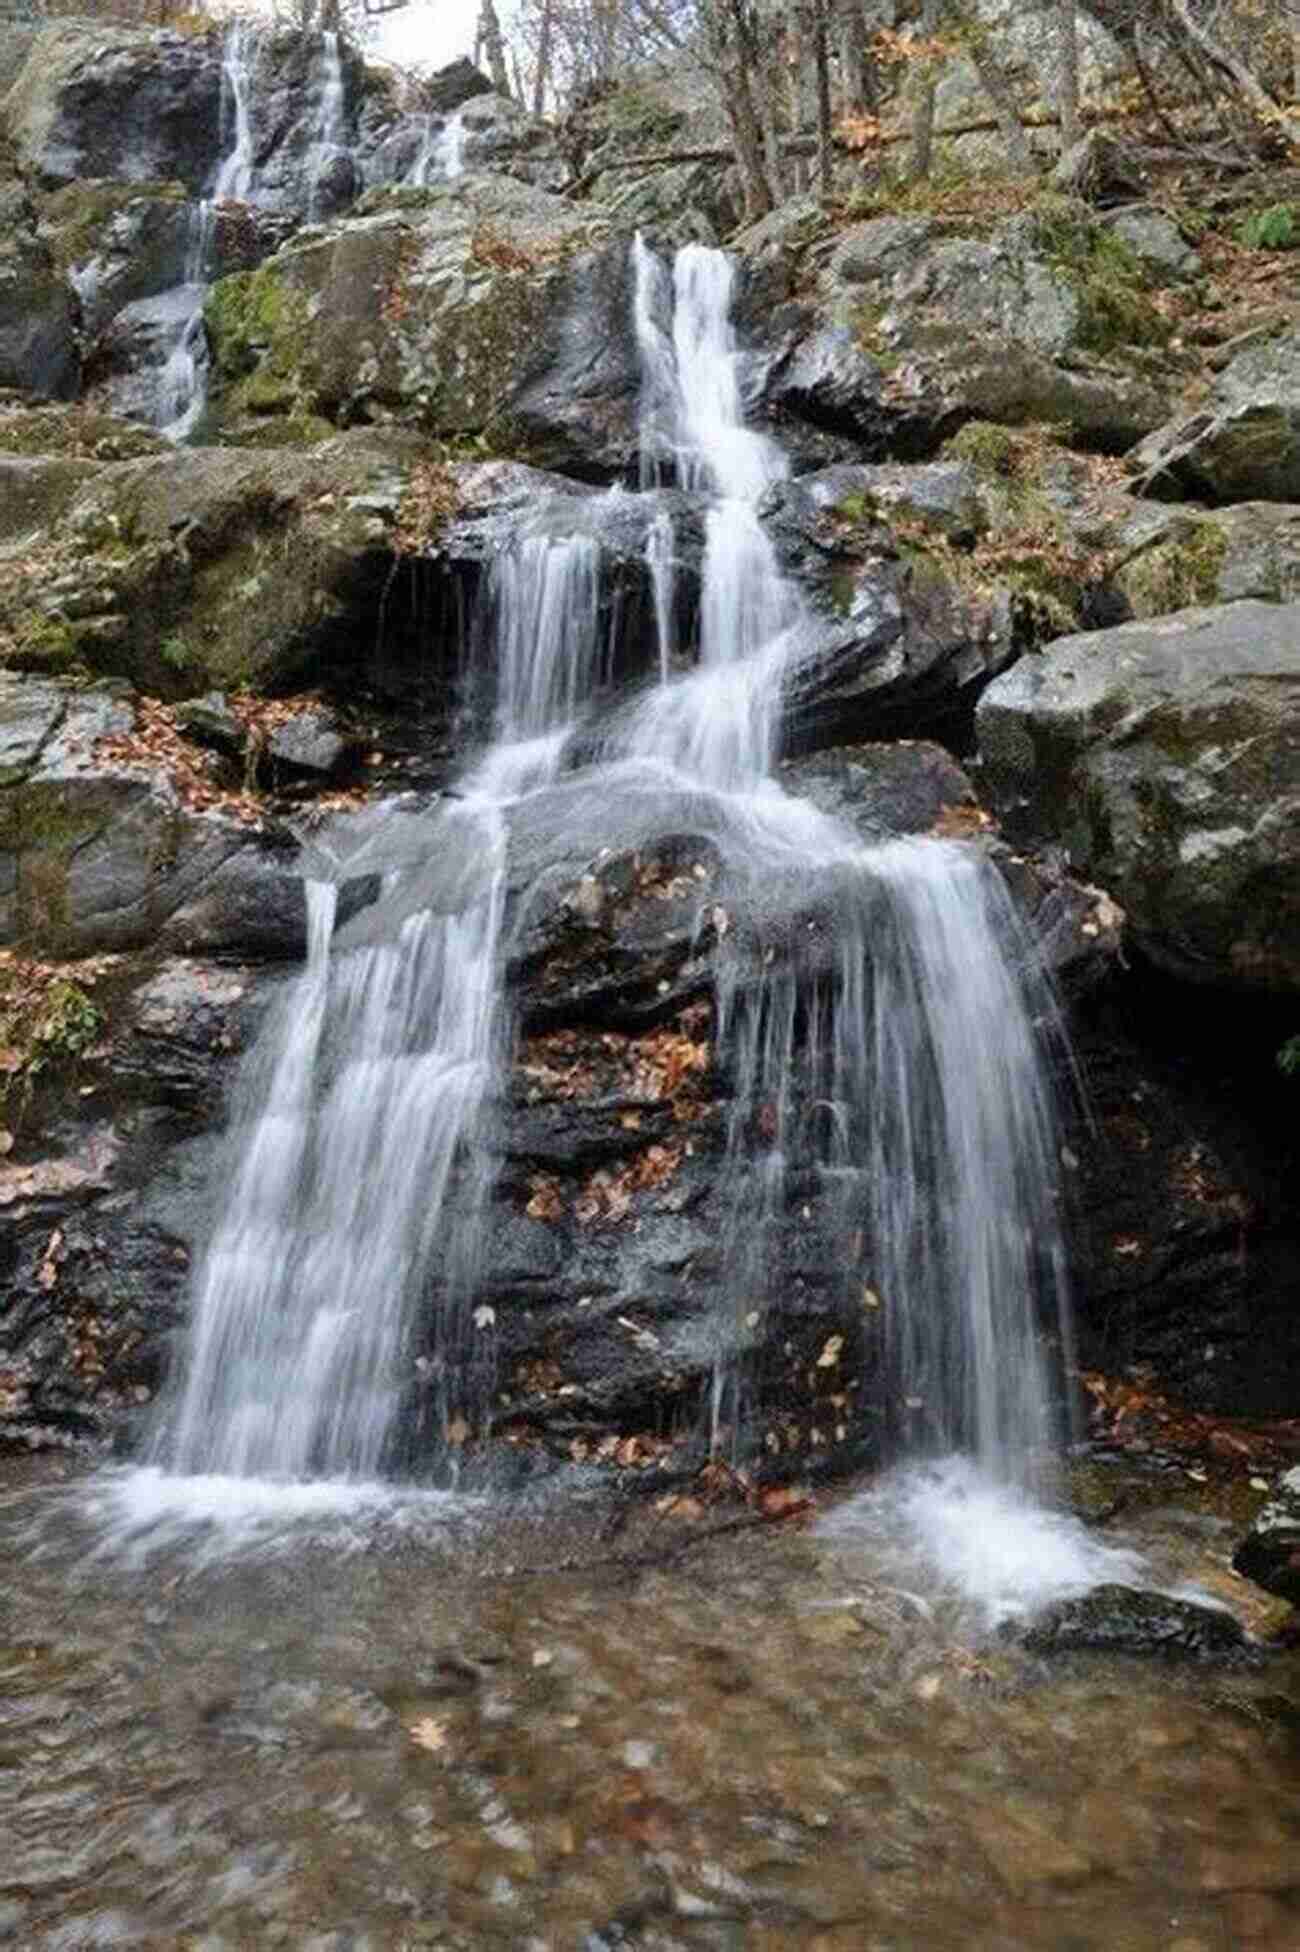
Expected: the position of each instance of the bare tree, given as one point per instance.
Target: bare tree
(1067, 93)
(488, 41)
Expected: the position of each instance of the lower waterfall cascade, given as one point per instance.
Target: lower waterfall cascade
(907, 1073)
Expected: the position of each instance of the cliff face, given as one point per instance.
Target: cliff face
(281, 389)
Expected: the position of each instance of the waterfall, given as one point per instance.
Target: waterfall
(909, 1079)
(441, 154)
(361, 1165)
(887, 1049)
(330, 125)
(234, 182)
(182, 393)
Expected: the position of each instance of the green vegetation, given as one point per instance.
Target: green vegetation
(990, 449)
(254, 317)
(1106, 275)
(1276, 228)
(47, 1023)
(1177, 573)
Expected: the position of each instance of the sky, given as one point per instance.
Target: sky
(430, 32)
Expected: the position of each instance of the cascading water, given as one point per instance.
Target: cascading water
(182, 391)
(908, 1076)
(361, 1134)
(330, 125)
(888, 1049)
(441, 155)
(235, 176)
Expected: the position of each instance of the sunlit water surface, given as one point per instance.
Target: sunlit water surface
(385, 1722)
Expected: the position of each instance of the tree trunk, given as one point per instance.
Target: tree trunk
(1067, 94)
(825, 141)
(859, 75)
(542, 76)
(993, 80)
(489, 38)
(734, 27)
(1248, 86)
(921, 86)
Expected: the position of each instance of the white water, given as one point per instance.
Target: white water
(890, 1053)
(330, 124)
(182, 391)
(441, 155)
(235, 176)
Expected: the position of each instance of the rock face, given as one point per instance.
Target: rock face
(913, 331)
(1270, 1552)
(478, 308)
(1128, 1620)
(1244, 443)
(38, 319)
(1165, 759)
(98, 851)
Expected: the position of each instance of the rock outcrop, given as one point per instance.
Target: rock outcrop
(1164, 758)
(1270, 1552)
(1243, 443)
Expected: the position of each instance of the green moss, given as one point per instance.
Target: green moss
(1107, 277)
(259, 322)
(1179, 573)
(868, 319)
(75, 432)
(278, 430)
(990, 449)
(43, 644)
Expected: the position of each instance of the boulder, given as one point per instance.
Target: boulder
(101, 1211)
(95, 100)
(479, 308)
(1243, 442)
(1173, 557)
(1270, 1552)
(38, 309)
(1129, 1620)
(913, 331)
(1163, 757)
(99, 850)
(131, 105)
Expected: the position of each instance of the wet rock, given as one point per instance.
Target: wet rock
(1270, 1552)
(893, 642)
(309, 745)
(1243, 443)
(1129, 1620)
(209, 721)
(1163, 758)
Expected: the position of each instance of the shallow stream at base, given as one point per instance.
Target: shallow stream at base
(437, 1723)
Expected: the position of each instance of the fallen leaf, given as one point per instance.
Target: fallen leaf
(429, 1733)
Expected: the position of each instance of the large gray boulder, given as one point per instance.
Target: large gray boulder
(481, 307)
(100, 101)
(100, 850)
(911, 331)
(1164, 757)
(1243, 443)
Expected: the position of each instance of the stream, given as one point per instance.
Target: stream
(393, 1728)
